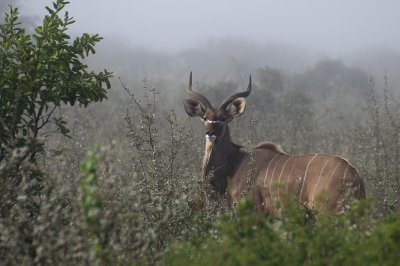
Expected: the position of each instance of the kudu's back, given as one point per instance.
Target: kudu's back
(321, 182)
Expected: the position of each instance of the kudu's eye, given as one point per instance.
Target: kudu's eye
(204, 118)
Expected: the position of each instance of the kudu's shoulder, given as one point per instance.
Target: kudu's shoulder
(266, 145)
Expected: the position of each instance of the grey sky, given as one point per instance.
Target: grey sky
(338, 26)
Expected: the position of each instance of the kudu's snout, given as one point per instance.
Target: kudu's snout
(210, 135)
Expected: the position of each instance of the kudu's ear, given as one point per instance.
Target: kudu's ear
(194, 108)
(236, 107)
(236, 103)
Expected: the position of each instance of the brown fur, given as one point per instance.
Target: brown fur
(269, 146)
(236, 146)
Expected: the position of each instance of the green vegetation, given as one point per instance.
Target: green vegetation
(39, 73)
(253, 239)
(91, 204)
(135, 199)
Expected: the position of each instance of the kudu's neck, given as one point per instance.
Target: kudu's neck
(220, 160)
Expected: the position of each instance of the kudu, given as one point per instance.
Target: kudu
(320, 182)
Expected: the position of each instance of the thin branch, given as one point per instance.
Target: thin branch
(47, 118)
(14, 119)
(37, 119)
(131, 95)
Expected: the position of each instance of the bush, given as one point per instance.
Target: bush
(163, 154)
(355, 238)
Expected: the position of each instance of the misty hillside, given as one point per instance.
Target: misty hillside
(232, 57)
(275, 68)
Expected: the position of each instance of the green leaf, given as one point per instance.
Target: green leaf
(108, 83)
(50, 10)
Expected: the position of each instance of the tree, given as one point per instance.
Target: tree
(38, 74)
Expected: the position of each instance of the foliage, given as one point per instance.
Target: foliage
(91, 203)
(39, 73)
(253, 239)
(384, 113)
(162, 159)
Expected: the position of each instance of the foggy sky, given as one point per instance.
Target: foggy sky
(337, 27)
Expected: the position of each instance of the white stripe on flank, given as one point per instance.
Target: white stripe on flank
(345, 172)
(266, 172)
(333, 172)
(319, 178)
(305, 176)
(272, 177)
(290, 176)
(279, 180)
(344, 178)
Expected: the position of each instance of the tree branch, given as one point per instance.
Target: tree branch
(47, 118)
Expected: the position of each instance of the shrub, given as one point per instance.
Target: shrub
(355, 238)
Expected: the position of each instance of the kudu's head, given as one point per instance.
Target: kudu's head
(215, 119)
